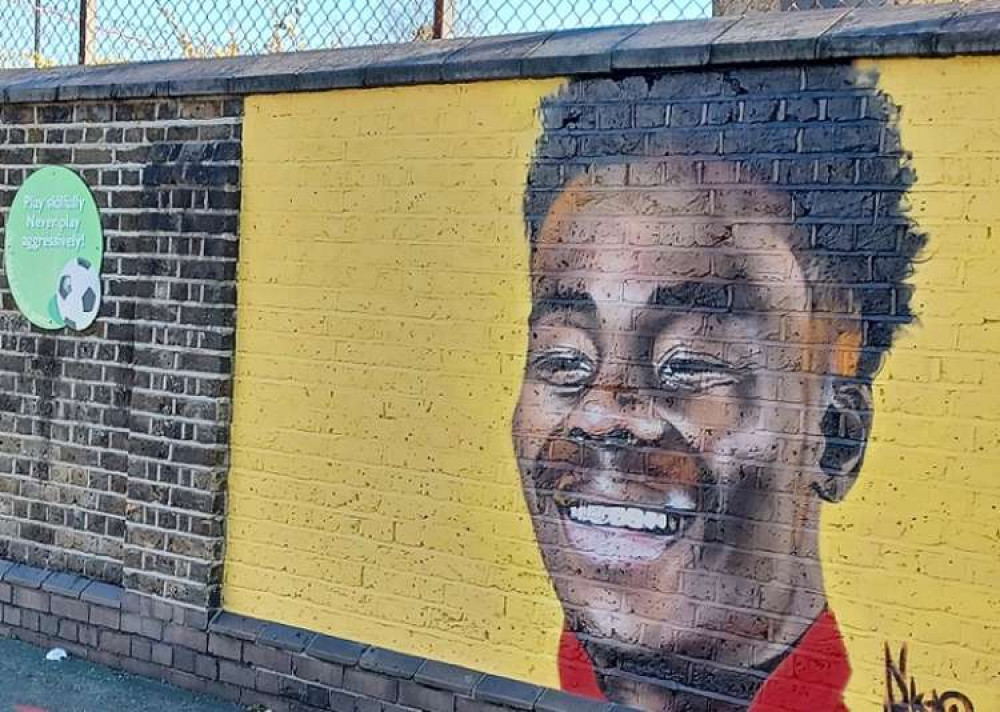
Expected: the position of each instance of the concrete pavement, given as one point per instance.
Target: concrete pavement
(29, 683)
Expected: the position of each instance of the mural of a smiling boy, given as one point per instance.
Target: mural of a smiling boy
(672, 389)
(703, 335)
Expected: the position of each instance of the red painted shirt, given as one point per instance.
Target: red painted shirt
(811, 678)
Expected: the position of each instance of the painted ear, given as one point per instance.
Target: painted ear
(846, 426)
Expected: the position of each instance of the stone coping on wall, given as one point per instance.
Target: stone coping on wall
(250, 661)
(921, 30)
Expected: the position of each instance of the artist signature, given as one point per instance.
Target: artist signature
(902, 696)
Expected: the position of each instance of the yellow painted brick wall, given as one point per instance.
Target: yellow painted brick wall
(383, 296)
(914, 554)
(383, 293)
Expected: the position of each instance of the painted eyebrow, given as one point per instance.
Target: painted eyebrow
(572, 302)
(713, 295)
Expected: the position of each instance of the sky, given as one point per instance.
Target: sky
(133, 30)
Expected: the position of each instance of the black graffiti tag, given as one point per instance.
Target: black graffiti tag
(901, 695)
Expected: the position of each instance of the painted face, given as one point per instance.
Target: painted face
(668, 426)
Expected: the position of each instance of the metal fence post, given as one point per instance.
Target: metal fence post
(37, 44)
(444, 19)
(88, 12)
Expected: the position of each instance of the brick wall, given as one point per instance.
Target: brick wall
(399, 271)
(113, 462)
(420, 403)
(748, 261)
(381, 371)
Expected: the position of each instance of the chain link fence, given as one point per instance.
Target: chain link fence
(45, 33)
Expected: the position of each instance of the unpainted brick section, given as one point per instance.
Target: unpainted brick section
(115, 438)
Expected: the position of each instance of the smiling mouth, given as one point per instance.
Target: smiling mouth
(637, 519)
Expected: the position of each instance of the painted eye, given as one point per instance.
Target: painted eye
(692, 371)
(562, 367)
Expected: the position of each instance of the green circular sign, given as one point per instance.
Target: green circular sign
(53, 251)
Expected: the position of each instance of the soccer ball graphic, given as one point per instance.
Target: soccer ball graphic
(78, 294)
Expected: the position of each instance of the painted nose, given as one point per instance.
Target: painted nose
(622, 432)
(617, 417)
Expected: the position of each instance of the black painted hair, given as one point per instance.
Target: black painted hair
(823, 137)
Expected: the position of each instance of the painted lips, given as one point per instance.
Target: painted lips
(670, 519)
(604, 509)
(636, 519)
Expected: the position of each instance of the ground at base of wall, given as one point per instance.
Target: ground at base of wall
(31, 683)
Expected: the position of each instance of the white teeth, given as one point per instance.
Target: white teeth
(679, 501)
(633, 518)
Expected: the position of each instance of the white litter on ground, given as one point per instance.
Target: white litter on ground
(56, 654)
